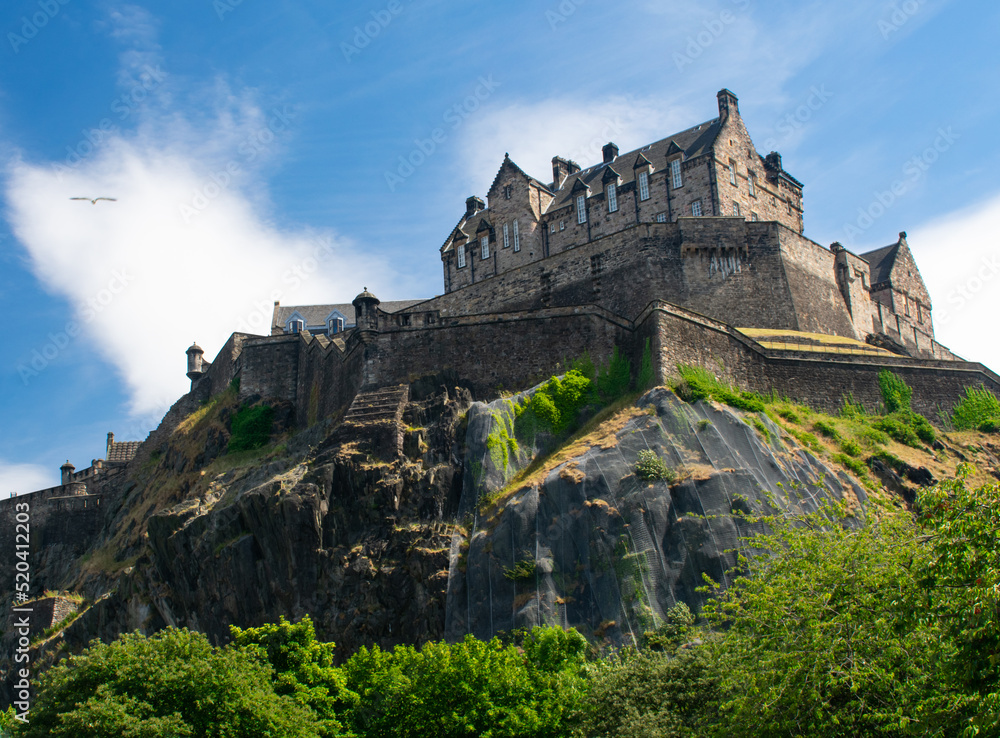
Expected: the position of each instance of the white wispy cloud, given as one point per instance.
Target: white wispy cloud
(188, 250)
(959, 258)
(23, 478)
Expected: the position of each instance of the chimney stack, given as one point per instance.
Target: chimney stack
(473, 205)
(561, 169)
(727, 104)
(610, 151)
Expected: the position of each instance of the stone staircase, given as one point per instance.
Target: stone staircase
(377, 416)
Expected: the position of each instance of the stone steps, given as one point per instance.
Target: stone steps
(386, 403)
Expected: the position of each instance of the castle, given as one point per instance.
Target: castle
(691, 246)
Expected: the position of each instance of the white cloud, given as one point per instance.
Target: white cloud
(186, 253)
(572, 128)
(24, 478)
(959, 258)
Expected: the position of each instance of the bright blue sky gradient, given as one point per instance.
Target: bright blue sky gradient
(244, 138)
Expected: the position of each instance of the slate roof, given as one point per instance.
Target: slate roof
(695, 141)
(881, 262)
(315, 315)
(122, 451)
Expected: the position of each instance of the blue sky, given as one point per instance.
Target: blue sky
(255, 153)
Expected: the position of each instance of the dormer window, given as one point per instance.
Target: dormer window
(484, 243)
(296, 326)
(506, 236)
(643, 185)
(581, 209)
(612, 198)
(517, 239)
(461, 257)
(675, 173)
(334, 326)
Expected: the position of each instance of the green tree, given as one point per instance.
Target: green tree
(171, 684)
(470, 688)
(302, 667)
(820, 640)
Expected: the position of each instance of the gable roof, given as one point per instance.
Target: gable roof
(880, 262)
(693, 142)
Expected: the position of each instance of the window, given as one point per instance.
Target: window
(562, 225)
(485, 243)
(517, 240)
(461, 257)
(552, 227)
(506, 236)
(752, 184)
(612, 198)
(736, 209)
(296, 326)
(661, 217)
(581, 208)
(506, 192)
(732, 172)
(643, 185)
(753, 216)
(675, 173)
(335, 325)
(696, 207)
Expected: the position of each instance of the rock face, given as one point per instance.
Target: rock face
(393, 529)
(591, 545)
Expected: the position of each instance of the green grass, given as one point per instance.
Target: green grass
(697, 383)
(978, 410)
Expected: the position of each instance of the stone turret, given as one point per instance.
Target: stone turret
(67, 470)
(196, 367)
(366, 312)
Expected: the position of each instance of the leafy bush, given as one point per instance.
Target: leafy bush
(978, 410)
(558, 402)
(826, 428)
(524, 570)
(697, 383)
(907, 427)
(650, 466)
(251, 427)
(849, 447)
(896, 393)
(173, 683)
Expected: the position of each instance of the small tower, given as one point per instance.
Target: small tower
(366, 311)
(67, 470)
(195, 367)
(728, 104)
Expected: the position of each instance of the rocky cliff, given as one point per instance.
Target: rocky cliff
(404, 521)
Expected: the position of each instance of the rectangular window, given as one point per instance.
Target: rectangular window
(485, 243)
(643, 185)
(517, 239)
(732, 172)
(552, 227)
(506, 237)
(736, 209)
(753, 216)
(675, 173)
(696, 207)
(581, 208)
(661, 217)
(562, 225)
(461, 257)
(612, 198)
(752, 184)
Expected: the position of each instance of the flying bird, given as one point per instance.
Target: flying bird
(94, 200)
